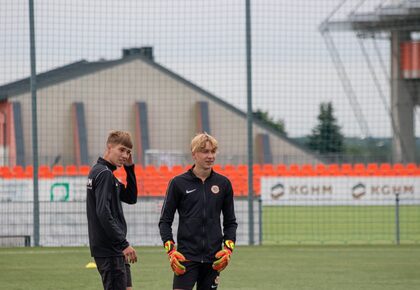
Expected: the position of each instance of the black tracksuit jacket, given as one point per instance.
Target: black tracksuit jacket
(106, 222)
(199, 206)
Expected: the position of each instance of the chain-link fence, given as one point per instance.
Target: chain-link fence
(326, 90)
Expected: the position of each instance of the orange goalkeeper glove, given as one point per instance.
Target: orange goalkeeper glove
(175, 258)
(223, 256)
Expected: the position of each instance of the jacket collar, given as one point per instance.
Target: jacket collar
(195, 176)
(107, 164)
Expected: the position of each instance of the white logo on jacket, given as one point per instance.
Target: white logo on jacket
(89, 183)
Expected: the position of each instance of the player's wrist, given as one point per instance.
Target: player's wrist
(170, 247)
(229, 245)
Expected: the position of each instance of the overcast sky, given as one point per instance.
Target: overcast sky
(204, 41)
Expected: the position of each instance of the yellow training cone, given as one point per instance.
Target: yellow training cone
(90, 265)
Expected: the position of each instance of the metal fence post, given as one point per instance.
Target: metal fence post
(397, 218)
(249, 123)
(34, 125)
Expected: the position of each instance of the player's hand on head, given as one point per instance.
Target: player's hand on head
(129, 160)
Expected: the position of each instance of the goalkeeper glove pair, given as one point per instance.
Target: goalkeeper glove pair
(175, 257)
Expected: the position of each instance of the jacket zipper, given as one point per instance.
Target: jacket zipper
(204, 219)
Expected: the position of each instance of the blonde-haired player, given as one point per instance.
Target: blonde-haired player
(199, 195)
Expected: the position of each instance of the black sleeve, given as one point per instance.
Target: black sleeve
(104, 188)
(168, 211)
(229, 218)
(128, 194)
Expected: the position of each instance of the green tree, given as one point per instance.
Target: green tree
(326, 136)
(269, 121)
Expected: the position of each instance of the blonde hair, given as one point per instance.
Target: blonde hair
(117, 137)
(199, 142)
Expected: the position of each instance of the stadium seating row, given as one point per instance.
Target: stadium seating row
(153, 180)
(345, 169)
(44, 171)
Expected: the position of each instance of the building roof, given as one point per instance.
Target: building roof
(83, 67)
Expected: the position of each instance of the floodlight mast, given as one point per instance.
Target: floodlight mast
(398, 20)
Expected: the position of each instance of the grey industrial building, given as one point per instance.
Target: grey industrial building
(79, 103)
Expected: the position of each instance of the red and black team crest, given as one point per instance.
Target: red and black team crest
(215, 189)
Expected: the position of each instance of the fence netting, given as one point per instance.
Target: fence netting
(334, 88)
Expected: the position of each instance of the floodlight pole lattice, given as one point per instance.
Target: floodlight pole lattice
(397, 19)
(347, 86)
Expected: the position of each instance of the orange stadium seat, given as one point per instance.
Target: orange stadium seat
(242, 169)
(228, 168)
(177, 170)
(147, 184)
(257, 170)
(164, 169)
(346, 169)
(417, 170)
(398, 169)
(385, 169)
(257, 185)
(161, 183)
(333, 169)
(321, 169)
(84, 170)
(307, 170)
(150, 170)
(58, 170)
(268, 170)
(150, 184)
(140, 187)
(372, 169)
(411, 168)
(231, 172)
(5, 172)
(161, 189)
(71, 170)
(19, 172)
(165, 172)
(218, 168)
(281, 170)
(359, 169)
(138, 170)
(294, 170)
(29, 170)
(152, 175)
(240, 186)
(121, 175)
(44, 171)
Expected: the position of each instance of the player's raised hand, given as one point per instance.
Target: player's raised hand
(129, 160)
